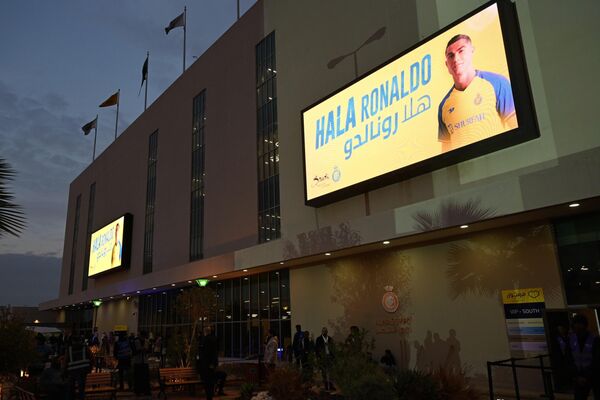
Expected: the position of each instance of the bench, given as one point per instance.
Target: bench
(21, 394)
(99, 383)
(177, 377)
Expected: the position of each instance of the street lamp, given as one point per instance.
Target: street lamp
(374, 37)
(378, 34)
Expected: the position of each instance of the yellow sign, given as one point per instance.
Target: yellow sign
(449, 92)
(120, 328)
(106, 248)
(520, 296)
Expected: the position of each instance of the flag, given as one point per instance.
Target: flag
(111, 101)
(87, 128)
(144, 74)
(179, 21)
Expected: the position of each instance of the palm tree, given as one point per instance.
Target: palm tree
(12, 219)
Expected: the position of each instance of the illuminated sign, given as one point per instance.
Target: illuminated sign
(459, 94)
(109, 247)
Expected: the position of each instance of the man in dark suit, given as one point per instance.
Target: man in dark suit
(324, 352)
(207, 362)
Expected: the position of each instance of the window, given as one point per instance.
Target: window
(88, 235)
(269, 217)
(578, 244)
(150, 202)
(198, 173)
(239, 325)
(74, 245)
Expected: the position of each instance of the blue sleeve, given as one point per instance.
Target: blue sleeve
(443, 134)
(505, 104)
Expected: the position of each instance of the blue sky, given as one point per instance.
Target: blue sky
(58, 61)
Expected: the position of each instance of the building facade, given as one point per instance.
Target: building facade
(212, 173)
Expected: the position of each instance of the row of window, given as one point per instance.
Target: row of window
(246, 308)
(198, 172)
(150, 201)
(269, 221)
(268, 170)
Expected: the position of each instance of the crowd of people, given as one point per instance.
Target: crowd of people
(64, 361)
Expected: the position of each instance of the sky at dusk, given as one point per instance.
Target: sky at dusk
(58, 61)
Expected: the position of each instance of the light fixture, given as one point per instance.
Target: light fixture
(111, 297)
(386, 242)
(281, 262)
(137, 291)
(573, 205)
(189, 281)
(202, 282)
(97, 303)
(153, 288)
(327, 254)
(37, 321)
(245, 270)
(172, 284)
(214, 276)
(584, 268)
(464, 226)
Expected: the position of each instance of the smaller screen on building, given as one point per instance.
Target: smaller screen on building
(423, 110)
(109, 246)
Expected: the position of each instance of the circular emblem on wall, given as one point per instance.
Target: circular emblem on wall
(390, 301)
(336, 174)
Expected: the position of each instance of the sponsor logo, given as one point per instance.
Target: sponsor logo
(450, 110)
(478, 99)
(321, 180)
(336, 174)
(390, 301)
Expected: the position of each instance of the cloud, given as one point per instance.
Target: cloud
(28, 280)
(46, 148)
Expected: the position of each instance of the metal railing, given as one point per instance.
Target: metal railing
(545, 370)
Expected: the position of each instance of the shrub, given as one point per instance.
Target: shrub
(416, 385)
(17, 345)
(454, 385)
(356, 375)
(285, 383)
(247, 390)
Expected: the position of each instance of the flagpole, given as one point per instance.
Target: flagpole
(147, 73)
(95, 135)
(184, 29)
(117, 120)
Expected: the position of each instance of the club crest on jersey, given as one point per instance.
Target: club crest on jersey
(450, 110)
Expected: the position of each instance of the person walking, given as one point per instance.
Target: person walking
(324, 352)
(298, 346)
(123, 353)
(271, 350)
(141, 375)
(78, 362)
(207, 361)
(585, 359)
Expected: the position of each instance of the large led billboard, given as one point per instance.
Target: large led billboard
(109, 247)
(459, 94)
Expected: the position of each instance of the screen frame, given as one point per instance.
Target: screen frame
(127, 234)
(524, 105)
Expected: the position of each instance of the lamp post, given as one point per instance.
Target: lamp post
(378, 34)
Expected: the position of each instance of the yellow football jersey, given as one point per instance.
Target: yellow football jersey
(482, 110)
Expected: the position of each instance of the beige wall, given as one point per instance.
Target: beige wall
(453, 285)
(118, 312)
(226, 71)
(560, 166)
